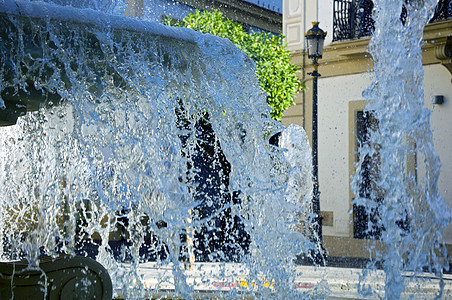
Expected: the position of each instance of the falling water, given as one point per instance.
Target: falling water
(145, 136)
(412, 215)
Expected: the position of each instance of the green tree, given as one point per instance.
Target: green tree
(274, 72)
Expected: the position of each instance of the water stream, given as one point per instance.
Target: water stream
(410, 214)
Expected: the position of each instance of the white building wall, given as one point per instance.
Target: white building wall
(438, 81)
(334, 94)
(297, 18)
(326, 18)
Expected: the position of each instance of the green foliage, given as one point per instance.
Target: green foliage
(274, 72)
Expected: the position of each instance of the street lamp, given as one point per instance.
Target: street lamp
(315, 38)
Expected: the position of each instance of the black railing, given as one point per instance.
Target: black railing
(443, 11)
(352, 19)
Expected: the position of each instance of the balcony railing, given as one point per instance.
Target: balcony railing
(352, 19)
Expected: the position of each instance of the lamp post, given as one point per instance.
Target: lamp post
(315, 38)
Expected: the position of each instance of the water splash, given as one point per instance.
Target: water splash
(145, 139)
(411, 215)
(106, 6)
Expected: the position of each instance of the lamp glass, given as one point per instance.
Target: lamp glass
(315, 38)
(315, 46)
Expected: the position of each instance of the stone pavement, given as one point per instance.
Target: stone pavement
(226, 281)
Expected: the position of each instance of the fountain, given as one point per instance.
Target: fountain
(131, 142)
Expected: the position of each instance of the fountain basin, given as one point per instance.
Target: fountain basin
(55, 278)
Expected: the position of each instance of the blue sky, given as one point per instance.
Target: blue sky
(273, 5)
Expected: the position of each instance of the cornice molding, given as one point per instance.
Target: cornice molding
(443, 52)
(351, 56)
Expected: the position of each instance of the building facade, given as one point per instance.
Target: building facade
(262, 15)
(346, 72)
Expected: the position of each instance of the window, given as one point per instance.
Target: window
(369, 197)
(366, 217)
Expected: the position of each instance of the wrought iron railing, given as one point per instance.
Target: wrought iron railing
(352, 19)
(443, 11)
